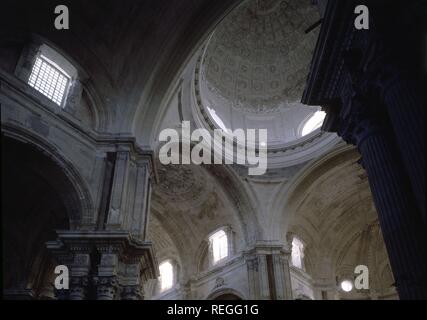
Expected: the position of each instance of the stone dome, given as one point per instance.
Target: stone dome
(255, 64)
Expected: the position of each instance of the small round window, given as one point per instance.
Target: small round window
(346, 285)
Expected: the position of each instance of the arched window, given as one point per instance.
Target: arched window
(314, 122)
(297, 253)
(52, 75)
(219, 246)
(166, 275)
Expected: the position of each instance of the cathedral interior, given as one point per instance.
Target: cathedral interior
(82, 109)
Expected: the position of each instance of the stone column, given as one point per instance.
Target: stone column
(125, 264)
(78, 287)
(78, 261)
(381, 110)
(139, 213)
(132, 293)
(258, 284)
(401, 224)
(395, 68)
(106, 280)
(127, 203)
(106, 287)
(116, 211)
(268, 273)
(404, 99)
(406, 108)
(130, 280)
(79, 277)
(283, 276)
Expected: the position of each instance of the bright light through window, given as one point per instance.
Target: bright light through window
(314, 123)
(297, 253)
(217, 119)
(347, 285)
(219, 243)
(47, 78)
(166, 275)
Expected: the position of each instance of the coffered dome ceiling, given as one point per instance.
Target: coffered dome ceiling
(258, 57)
(255, 65)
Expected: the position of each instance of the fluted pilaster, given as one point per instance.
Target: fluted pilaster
(405, 107)
(401, 224)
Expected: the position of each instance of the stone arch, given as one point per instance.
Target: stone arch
(242, 198)
(40, 197)
(293, 192)
(202, 256)
(76, 194)
(329, 206)
(171, 65)
(189, 220)
(225, 293)
(238, 193)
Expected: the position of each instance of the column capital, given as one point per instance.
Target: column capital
(78, 287)
(133, 292)
(106, 287)
(359, 121)
(125, 263)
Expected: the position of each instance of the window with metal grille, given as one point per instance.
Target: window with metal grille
(49, 79)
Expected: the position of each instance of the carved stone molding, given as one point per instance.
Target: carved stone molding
(78, 288)
(125, 263)
(132, 293)
(106, 287)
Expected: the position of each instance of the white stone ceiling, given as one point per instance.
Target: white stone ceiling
(338, 223)
(187, 205)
